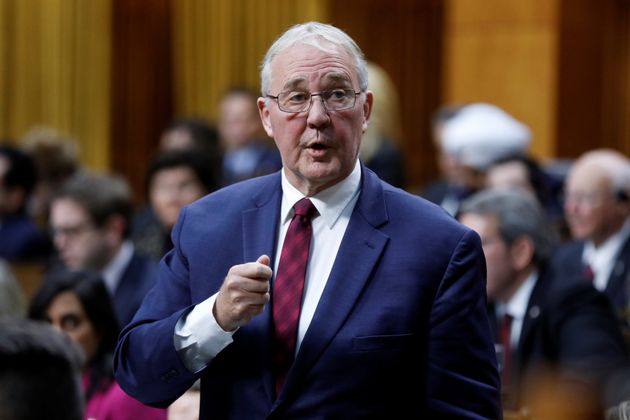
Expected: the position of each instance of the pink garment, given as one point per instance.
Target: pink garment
(114, 404)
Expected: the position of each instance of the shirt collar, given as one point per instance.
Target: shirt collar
(602, 256)
(329, 202)
(114, 270)
(517, 305)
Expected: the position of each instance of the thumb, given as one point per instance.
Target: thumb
(263, 259)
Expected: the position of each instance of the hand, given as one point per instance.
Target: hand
(244, 293)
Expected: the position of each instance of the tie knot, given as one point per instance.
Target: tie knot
(304, 207)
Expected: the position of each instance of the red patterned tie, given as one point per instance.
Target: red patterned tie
(588, 273)
(288, 286)
(506, 341)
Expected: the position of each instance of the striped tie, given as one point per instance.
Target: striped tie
(288, 286)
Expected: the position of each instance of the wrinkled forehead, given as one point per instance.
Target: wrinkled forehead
(589, 177)
(316, 61)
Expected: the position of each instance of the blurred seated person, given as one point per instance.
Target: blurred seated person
(524, 173)
(545, 327)
(476, 136)
(20, 238)
(246, 152)
(78, 304)
(194, 134)
(90, 221)
(39, 373)
(175, 179)
(379, 147)
(439, 190)
(56, 160)
(597, 206)
(12, 304)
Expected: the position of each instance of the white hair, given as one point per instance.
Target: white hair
(615, 165)
(312, 33)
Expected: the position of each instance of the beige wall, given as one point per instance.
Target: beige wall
(505, 52)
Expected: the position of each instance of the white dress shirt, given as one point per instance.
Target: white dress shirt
(113, 272)
(199, 338)
(517, 308)
(602, 259)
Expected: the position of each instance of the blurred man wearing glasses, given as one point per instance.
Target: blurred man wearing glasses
(89, 218)
(597, 208)
(318, 291)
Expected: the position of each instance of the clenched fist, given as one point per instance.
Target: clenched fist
(244, 293)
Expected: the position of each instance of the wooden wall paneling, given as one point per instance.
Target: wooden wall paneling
(616, 76)
(141, 85)
(403, 37)
(505, 53)
(580, 76)
(594, 77)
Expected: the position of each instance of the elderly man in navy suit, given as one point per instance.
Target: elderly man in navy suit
(318, 291)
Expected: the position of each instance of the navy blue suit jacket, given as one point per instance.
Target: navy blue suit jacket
(139, 277)
(400, 331)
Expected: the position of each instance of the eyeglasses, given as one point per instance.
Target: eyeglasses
(294, 102)
(584, 199)
(71, 231)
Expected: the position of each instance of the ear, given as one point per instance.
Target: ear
(114, 228)
(265, 117)
(15, 199)
(522, 252)
(367, 108)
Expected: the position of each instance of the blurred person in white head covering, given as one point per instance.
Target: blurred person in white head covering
(476, 137)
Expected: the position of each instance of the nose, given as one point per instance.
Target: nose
(317, 115)
(59, 239)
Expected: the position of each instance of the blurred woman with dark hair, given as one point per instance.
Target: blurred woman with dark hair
(77, 303)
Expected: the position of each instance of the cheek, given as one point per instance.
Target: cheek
(86, 338)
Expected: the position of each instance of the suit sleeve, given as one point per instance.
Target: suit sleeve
(146, 363)
(463, 380)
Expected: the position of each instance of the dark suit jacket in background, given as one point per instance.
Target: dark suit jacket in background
(570, 327)
(567, 264)
(140, 275)
(400, 331)
(21, 240)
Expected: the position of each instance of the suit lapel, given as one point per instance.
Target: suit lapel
(360, 249)
(617, 287)
(532, 316)
(259, 235)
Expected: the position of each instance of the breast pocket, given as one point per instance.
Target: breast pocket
(375, 343)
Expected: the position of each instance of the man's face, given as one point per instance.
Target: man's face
(501, 275)
(239, 124)
(80, 244)
(319, 148)
(590, 208)
(171, 189)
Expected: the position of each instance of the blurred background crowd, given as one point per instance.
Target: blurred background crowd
(513, 118)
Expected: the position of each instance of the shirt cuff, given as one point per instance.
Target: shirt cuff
(198, 337)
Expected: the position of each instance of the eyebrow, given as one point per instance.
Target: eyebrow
(332, 78)
(293, 83)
